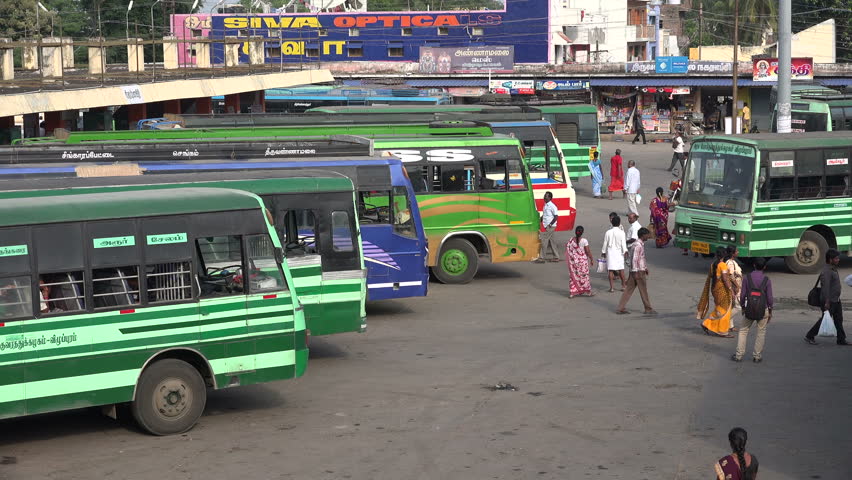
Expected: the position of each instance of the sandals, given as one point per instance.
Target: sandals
(622, 312)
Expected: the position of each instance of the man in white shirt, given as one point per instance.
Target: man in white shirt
(631, 187)
(679, 147)
(633, 231)
(549, 216)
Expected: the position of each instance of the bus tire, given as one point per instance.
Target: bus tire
(170, 397)
(809, 255)
(457, 262)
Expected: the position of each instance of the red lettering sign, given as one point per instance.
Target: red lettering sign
(344, 22)
(421, 21)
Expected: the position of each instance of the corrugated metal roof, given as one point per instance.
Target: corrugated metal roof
(449, 82)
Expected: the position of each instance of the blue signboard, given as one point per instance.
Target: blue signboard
(562, 85)
(672, 65)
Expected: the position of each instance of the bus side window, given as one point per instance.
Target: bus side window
(515, 172)
(168, 257)
(836, 172)
(492, 175)
(419, 175)
(453, 178)
(221, 268)
(782, 176)
(837, 119)
(60, 260)
(341, 232)
(809, 173)
(373, 207)
(847, 119)
(403, 224)
(15, 279)
(264, 273)
(299, 233)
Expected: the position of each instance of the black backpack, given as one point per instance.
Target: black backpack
(755, 301)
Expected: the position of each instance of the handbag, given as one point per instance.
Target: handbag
(815, 295)
(601, 265)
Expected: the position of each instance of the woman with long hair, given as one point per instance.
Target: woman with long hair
(597, 175)
(718, 284)
(579, 258)
(660, 218)
(736, 274)
(616, 174)
(739, 465)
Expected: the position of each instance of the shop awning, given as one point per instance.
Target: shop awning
(448, 82)
(673, 82)
(835, 82)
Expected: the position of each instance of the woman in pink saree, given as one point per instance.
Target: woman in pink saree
(579, 258)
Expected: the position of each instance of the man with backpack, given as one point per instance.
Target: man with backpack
(756, 301)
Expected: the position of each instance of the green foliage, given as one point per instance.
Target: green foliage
(805, 15)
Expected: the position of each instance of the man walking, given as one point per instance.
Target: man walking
(638, 275)
(830, 298)
(549, 216)
(679, 150)
(756, 302)
(638, 128)
(631, 187)
(746, 118)
(634, 227)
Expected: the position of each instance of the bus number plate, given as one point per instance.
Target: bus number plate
(701, 247)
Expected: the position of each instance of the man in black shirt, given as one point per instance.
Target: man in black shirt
(638, 127)
(830, 298)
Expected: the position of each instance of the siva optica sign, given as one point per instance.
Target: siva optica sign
(467, 59)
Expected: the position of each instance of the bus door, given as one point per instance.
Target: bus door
(16, 305)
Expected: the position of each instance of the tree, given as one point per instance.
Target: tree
(756, 17)
(807, 13)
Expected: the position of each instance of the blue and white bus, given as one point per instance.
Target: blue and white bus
(392, 235)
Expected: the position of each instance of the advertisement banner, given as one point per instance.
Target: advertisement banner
(672, 64)
(692, 66)
(550, 85)
(467, 59)
(766, 69)
(512, 87)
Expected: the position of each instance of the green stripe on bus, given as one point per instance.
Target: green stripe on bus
(89, 398)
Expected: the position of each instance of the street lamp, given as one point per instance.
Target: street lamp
(127, 19)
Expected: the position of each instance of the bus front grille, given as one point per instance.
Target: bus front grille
(705, 229)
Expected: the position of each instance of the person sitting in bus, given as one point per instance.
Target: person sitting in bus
(44, 296)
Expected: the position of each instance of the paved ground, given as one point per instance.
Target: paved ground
(599, 395)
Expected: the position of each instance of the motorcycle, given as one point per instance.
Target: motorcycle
(675, 188)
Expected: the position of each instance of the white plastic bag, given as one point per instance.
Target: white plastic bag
(601, 265)
(826, 328)
(638, 199)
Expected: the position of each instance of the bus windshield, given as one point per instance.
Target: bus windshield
(720, 176)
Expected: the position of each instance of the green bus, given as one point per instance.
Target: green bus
(770, 195)
(320, 237)
(575, 125)
(142, 298)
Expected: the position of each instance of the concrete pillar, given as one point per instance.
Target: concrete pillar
(171, 106)
(202, 55)
(30, 56)
(97, 57)
(170, 53)
(52, 121)
(256, 54)
(67, 52)
(232, 103)
(203, 106)
(232, 54)
(136, 112)
(258, 104)
(7, 60)
(51, 57)
(135, 55)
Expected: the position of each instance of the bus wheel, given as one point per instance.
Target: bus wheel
(457, 262)
(170, 397)
(810, 254)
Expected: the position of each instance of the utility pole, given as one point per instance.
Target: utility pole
(700, 27)
(735, 66)
(784, 37)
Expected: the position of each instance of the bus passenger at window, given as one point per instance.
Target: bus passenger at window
(44, 296)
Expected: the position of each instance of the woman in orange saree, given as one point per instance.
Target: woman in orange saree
(718, 284)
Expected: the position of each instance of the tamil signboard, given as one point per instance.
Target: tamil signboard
(512, 87)
(692, 66)
(672, 65)
(766, 69)
(550, 85)
(467, 59)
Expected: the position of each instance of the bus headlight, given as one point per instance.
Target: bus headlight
(686, 231)
(724, 236)
(680, 230)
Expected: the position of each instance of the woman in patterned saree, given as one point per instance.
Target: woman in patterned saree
(579, 258)
(660, 218)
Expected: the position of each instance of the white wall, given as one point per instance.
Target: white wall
(586, 18)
